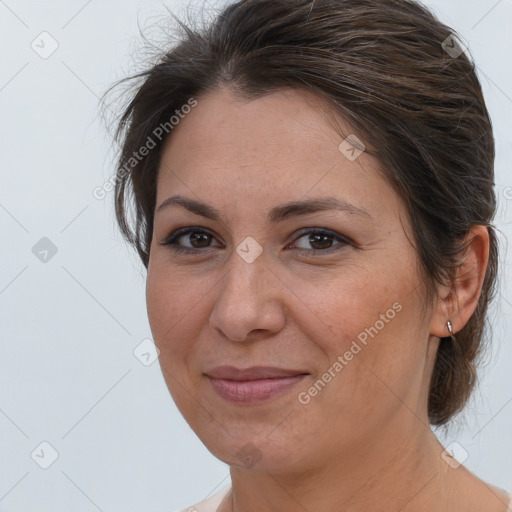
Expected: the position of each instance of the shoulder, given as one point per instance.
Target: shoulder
(208, 505)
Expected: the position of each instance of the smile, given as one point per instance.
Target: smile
(253, 391)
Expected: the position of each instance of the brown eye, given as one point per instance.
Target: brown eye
(189, 240)
(199, 239)
(320, 241)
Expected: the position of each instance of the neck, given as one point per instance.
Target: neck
(399, 470)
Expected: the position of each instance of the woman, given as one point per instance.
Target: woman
(312, 185)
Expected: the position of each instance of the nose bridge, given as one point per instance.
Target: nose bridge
(248, 267)
(247, 280)
(248, 297)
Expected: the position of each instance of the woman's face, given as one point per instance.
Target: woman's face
(334, 295)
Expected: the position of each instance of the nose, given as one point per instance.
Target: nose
(249, 301)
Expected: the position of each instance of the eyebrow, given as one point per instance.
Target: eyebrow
(276, 214)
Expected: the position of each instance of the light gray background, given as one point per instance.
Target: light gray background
(68, 327)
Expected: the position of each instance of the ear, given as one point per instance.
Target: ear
(458, 300)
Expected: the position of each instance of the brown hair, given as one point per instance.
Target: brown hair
(386, 68)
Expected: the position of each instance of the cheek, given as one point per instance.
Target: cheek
(368, 327)
(345, 304)
(170, 300)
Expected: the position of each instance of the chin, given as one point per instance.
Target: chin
(254, 448)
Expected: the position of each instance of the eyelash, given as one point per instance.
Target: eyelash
(171, 241)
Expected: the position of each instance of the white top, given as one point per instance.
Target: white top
(509, 509)
(211, 504)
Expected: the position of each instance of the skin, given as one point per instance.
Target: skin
(364, 441)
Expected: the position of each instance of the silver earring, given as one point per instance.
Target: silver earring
(450, 328)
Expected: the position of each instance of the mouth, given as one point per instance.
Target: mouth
(252, 385)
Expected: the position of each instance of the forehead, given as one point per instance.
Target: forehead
(273, 126)
(265, 151)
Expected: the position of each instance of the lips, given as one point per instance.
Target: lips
(252, 373)
(252, 385)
